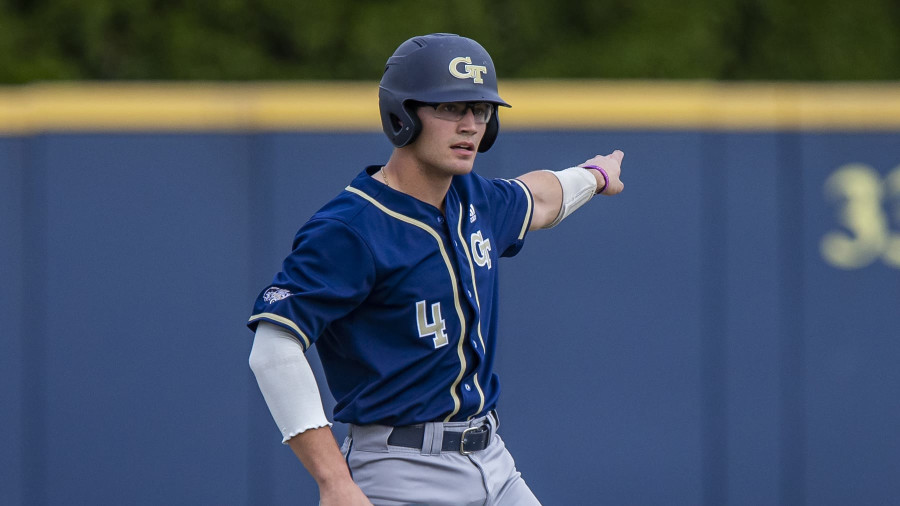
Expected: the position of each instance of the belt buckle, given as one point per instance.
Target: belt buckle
(462, 440)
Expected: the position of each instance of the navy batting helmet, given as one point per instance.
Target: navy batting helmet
(440, 67)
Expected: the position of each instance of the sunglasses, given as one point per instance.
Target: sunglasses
(455, 111)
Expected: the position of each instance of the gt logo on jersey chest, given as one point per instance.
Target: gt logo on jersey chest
(481, 250)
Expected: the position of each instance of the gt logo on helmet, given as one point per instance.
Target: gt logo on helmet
(472, 71)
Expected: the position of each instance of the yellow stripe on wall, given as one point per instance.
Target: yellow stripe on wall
(353, 106)
(189, 107)
(690, 105)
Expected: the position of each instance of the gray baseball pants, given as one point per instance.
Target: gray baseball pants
(395, 475)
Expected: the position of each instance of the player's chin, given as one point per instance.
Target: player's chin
(462, 159)
(460, 167)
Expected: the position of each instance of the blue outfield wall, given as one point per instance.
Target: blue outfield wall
(724, 332)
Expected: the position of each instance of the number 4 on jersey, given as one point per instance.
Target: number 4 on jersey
(437, 327)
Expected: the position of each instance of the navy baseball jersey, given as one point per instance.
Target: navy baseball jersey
(400, 299)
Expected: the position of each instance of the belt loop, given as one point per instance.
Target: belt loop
(493, 422)
(433, 438)
(371, 438)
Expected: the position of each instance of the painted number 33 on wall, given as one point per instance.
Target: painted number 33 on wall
(865, 205)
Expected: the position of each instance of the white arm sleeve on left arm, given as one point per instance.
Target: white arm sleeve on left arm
(286, 381)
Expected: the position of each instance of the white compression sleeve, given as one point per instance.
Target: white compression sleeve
(286, 381)
(578, 186)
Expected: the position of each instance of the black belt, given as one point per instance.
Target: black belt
(472, 439)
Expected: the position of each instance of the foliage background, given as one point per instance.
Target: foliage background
(43, 40)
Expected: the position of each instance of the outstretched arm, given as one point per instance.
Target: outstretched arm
(558, 194)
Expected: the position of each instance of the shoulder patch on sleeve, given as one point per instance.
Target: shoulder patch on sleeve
(274, 294)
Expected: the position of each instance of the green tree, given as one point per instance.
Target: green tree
(351, 39)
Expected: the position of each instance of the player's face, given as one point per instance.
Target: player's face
(448, 146)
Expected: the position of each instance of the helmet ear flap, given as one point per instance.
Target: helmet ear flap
(412, 126)
(490, 132)
(399, 123)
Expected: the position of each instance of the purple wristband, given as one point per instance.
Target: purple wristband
(603, 173)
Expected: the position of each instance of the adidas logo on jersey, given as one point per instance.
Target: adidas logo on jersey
(472, 216)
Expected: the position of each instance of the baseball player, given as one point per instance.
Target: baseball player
(395, 280)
